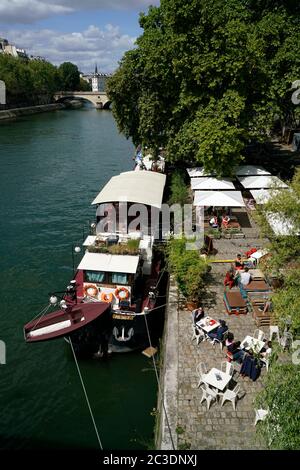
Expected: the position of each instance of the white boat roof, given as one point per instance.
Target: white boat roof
(251, 170)
(142, 187)
(109, 263)
(211, 183)
(90, 240)
(263, 181)
(219, 199)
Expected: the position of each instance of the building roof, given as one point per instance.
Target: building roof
(211, 183)
(142, 187)
(109, 263)
(218, 199)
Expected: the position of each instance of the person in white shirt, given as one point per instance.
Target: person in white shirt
(245, 277)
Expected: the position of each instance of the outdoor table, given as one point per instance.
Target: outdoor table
(252, 343)
(217, 379)
(208, 324)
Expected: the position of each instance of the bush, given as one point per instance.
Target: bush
(188, 268)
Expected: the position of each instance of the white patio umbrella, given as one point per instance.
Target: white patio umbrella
(262, 196)
(198, 171)
(211, 183)
(251, 170)
(218, 199)
(259, 182)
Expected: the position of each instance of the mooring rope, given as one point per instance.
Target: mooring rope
(40, 315)
(157, 379)
(86, 396)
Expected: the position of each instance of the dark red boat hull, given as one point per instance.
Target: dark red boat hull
(76, 318)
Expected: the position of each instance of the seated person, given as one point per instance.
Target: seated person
(245, 277)
(237, 353)
(214, 223)
(250, 366)
(238, 262)
(228, 339)
(219, 332)
(229, 279)
(267, 349)
(197, 314)
(225, 220)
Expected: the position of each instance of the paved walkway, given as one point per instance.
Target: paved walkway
(218, 428)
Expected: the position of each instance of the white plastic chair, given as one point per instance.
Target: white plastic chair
(286, 340)
(266, 361)
(227, 367)
(208, 395)
(197, 334)
(274, 331)
(230, 395)
(260, 415)
(258, 334)
(201, 371)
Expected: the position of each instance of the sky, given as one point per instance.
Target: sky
(84, 32)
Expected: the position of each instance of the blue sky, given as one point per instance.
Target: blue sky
(81, 31)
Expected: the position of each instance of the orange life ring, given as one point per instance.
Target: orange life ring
(107, 297)
(90, 290)
(119, 290)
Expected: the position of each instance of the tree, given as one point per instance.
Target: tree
(207, 76)
(69, 76)
(280, 395)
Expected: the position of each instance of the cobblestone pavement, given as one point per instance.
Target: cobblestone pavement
(220, 427)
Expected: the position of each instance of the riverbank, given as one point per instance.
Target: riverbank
(15, 113)
(188, 421)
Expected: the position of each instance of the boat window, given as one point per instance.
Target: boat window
(119, 278)
(94, 276)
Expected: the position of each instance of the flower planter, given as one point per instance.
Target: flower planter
(191, 305)
(238, 235)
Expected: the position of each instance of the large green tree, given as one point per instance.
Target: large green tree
(207, 76)
(69, 76)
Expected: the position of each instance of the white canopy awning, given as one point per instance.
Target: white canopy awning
(281, 226)
(211, 183)
(199, 171)
(258, 182)
(262, 196)
(142, 187)
(218, 199)
(251, 170)
(109, 263)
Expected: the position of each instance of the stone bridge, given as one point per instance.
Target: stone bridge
(98, 98)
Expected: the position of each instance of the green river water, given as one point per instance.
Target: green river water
(52, 166)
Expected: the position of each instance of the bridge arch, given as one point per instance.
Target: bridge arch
(98, 99)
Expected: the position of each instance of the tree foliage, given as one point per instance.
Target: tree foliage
(35, 81)
(178, 189)
(69, 76)
(208, 75)
(280, 395)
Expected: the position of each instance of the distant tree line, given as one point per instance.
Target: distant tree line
(208, 76)
(33, 82)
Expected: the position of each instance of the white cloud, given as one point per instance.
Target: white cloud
(28, 11)
(84, 48)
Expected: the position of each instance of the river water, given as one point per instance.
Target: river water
(52, 166)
